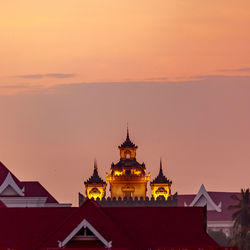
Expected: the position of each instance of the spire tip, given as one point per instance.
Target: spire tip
(95, 164)
(127, 130)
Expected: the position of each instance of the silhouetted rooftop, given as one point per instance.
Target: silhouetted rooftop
(127, 143)
(131, 163)
(95, 178)
(161, 178)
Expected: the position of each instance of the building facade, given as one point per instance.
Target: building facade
(128, 181)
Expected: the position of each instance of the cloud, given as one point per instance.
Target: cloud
(50, 75)
(246, 69)
(203, 77)
(218, 77)
(161, 78)
(75, 87)
(13, 86)
(56, 75)
(34, 76)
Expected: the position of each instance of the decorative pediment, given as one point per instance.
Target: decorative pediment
(87, 229)
(9, 187)
(203, 199)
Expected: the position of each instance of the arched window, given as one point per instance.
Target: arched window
(127, 154)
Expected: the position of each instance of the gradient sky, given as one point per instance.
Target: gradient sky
(73, 73)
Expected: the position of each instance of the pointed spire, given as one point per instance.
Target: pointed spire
(95, 164)
(127, 143)
(127, 131)
(95, 173)
(160, 172)
(95, 178)
(161, 178)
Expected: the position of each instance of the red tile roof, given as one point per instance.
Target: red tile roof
(35, 189)
(133, 227)
(32, 188)
(217, 197)
(26, 228)
(163, 226)
(3, 174)
(2, 205)
(96, 216)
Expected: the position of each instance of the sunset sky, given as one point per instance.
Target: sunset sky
(74, 73)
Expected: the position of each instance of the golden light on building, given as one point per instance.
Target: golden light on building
(128, 178)
(95, 186)
(161, 186)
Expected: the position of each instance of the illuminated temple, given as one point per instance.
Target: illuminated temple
(128, 180)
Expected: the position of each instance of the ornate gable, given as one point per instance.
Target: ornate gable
(84, 232)
(10, 187)
(203, 199)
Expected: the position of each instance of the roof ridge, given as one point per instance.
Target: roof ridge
(57, 229)
(4, 171)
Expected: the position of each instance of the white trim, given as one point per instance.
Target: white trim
(203, 192)
(24, 201)
(84, 224)
(58, 205)
(9, 181)
(220, 224)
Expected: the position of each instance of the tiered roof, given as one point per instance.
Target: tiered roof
(95, 178)
(161, 178)
(128, 163)
(127, 143)
(131, 163)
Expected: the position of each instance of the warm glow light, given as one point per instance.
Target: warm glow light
(95, 191)
(160, 190)
(118, 173)
(137, 172)
(127, 153)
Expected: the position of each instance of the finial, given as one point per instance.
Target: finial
(160, 171)
(95, 164)
(127, 143)
(127, 131)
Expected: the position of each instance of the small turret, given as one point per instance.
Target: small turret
(161, 185)
(127, 148)
(95, 186)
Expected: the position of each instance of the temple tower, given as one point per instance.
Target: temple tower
(128, 178)
(161, 185)
(95, 186)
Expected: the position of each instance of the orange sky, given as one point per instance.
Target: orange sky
(73, 73)
(120, 40)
